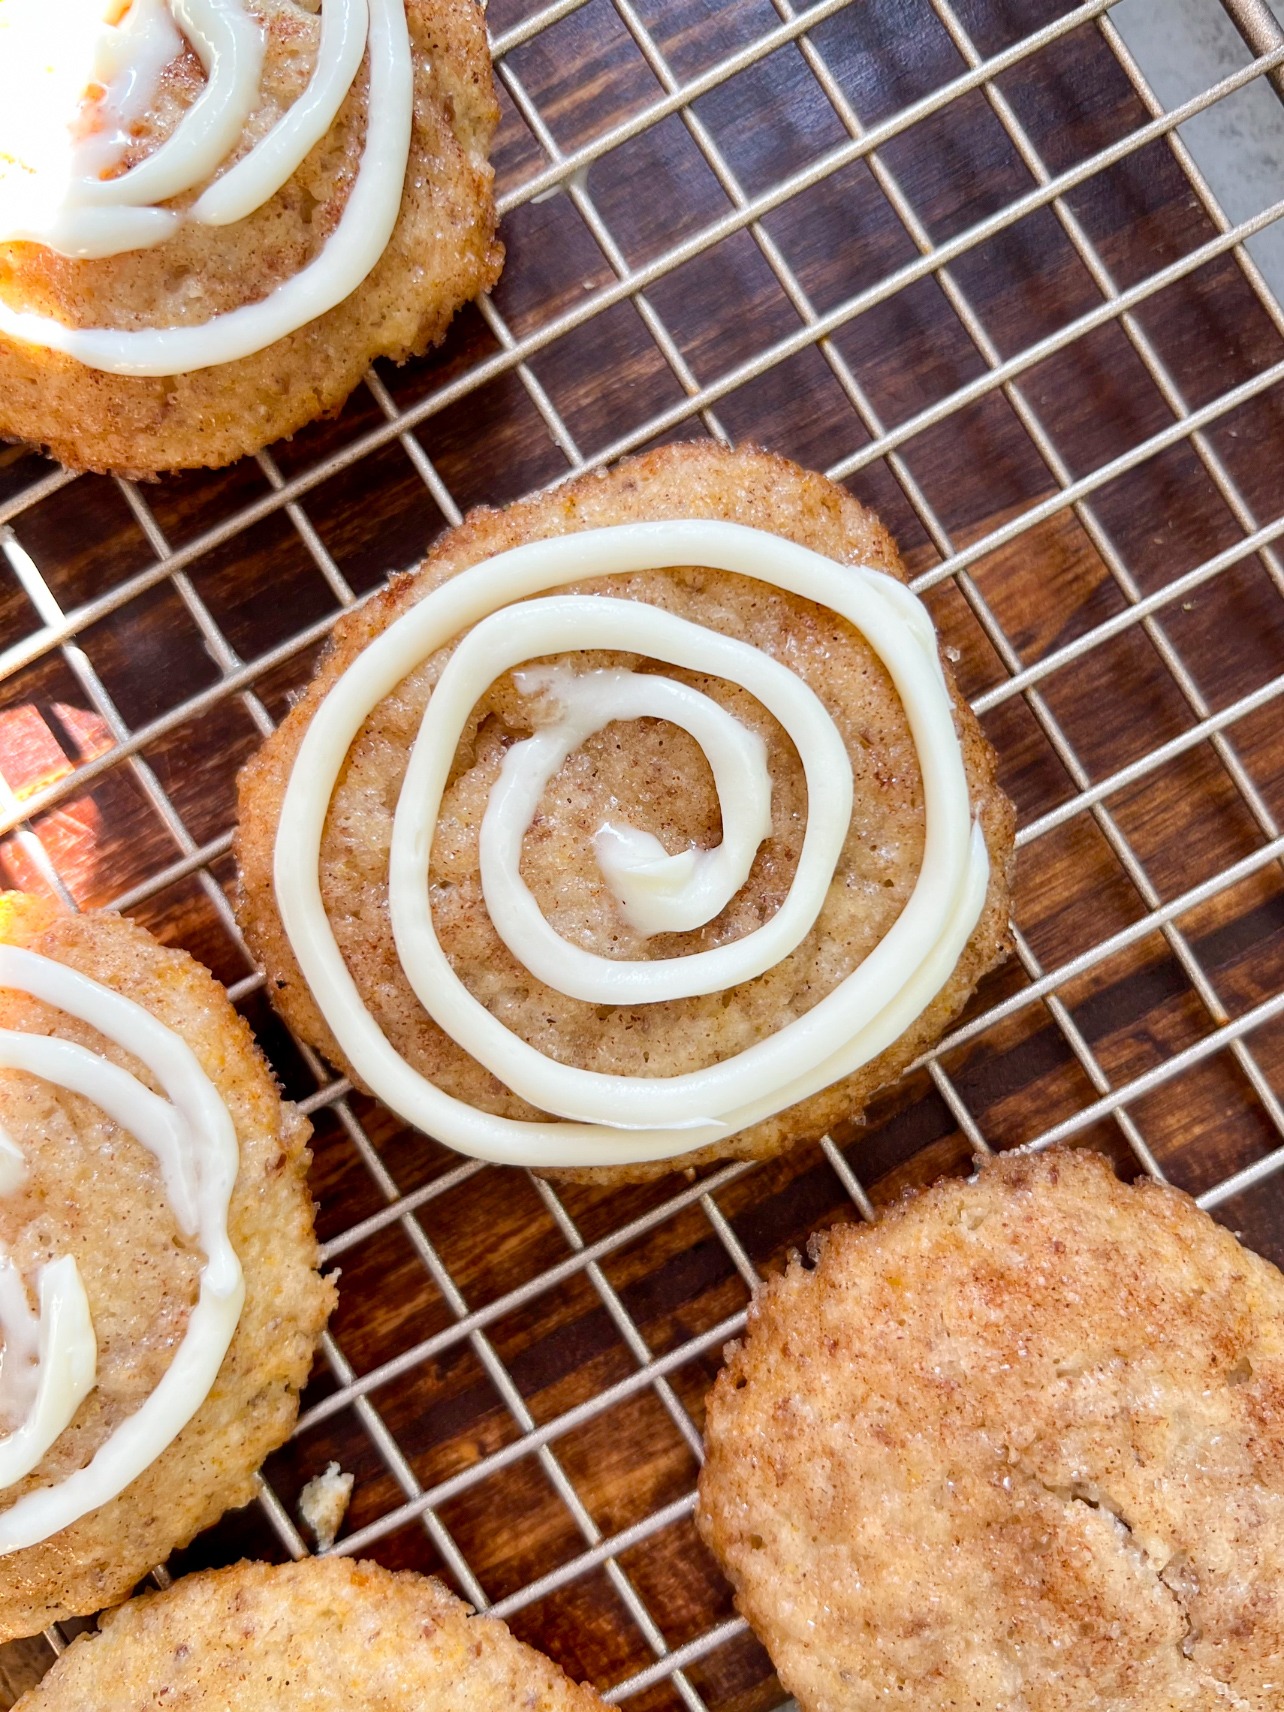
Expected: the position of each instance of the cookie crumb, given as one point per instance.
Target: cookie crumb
(323, 1503)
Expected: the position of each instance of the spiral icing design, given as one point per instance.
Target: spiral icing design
(50, 1357)
(506, 612)
(74, 79)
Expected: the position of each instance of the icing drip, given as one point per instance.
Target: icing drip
(656, 892)
(566, 624)
(61, 1364)
(50, 1358)
(610, 1119)
(63, 190)
(229, 44)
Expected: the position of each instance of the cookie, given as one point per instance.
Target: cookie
(167, 303)
(159, 1297)
(1018, 1444)
(702, 934)
(323, 1633)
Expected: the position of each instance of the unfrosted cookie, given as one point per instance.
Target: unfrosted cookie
(321, 1634)
(655, 775)
(88, 1192)
(441, 252)
(1020, 1444)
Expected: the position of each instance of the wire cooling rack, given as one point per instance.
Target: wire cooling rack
(961, 257)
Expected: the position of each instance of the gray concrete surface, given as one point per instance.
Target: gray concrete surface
(1183, 46)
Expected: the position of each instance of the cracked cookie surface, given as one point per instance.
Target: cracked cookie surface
(1017, 1447)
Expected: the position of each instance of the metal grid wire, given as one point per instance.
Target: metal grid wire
(140, 670)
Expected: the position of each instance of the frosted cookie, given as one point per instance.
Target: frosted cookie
(698, 848)
(214, 215)
(321, 1634)
(1018, 1444)
(159, 1300)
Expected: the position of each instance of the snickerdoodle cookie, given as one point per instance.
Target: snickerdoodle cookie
(1019, 1444)
(699, 846)
(159, 1298)
(211, 222)
(325, 1633)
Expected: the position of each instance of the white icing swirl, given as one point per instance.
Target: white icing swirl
(49, 1362)
(611, 1119)
(656, 892)
(561, 625)
(63, 190)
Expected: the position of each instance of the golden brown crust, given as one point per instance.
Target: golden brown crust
(442, 253)
(658, 772)
(1018, 1444)
(321, 1634)
(95, 1192)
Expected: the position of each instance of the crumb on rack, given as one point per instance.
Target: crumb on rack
(323, 1503)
